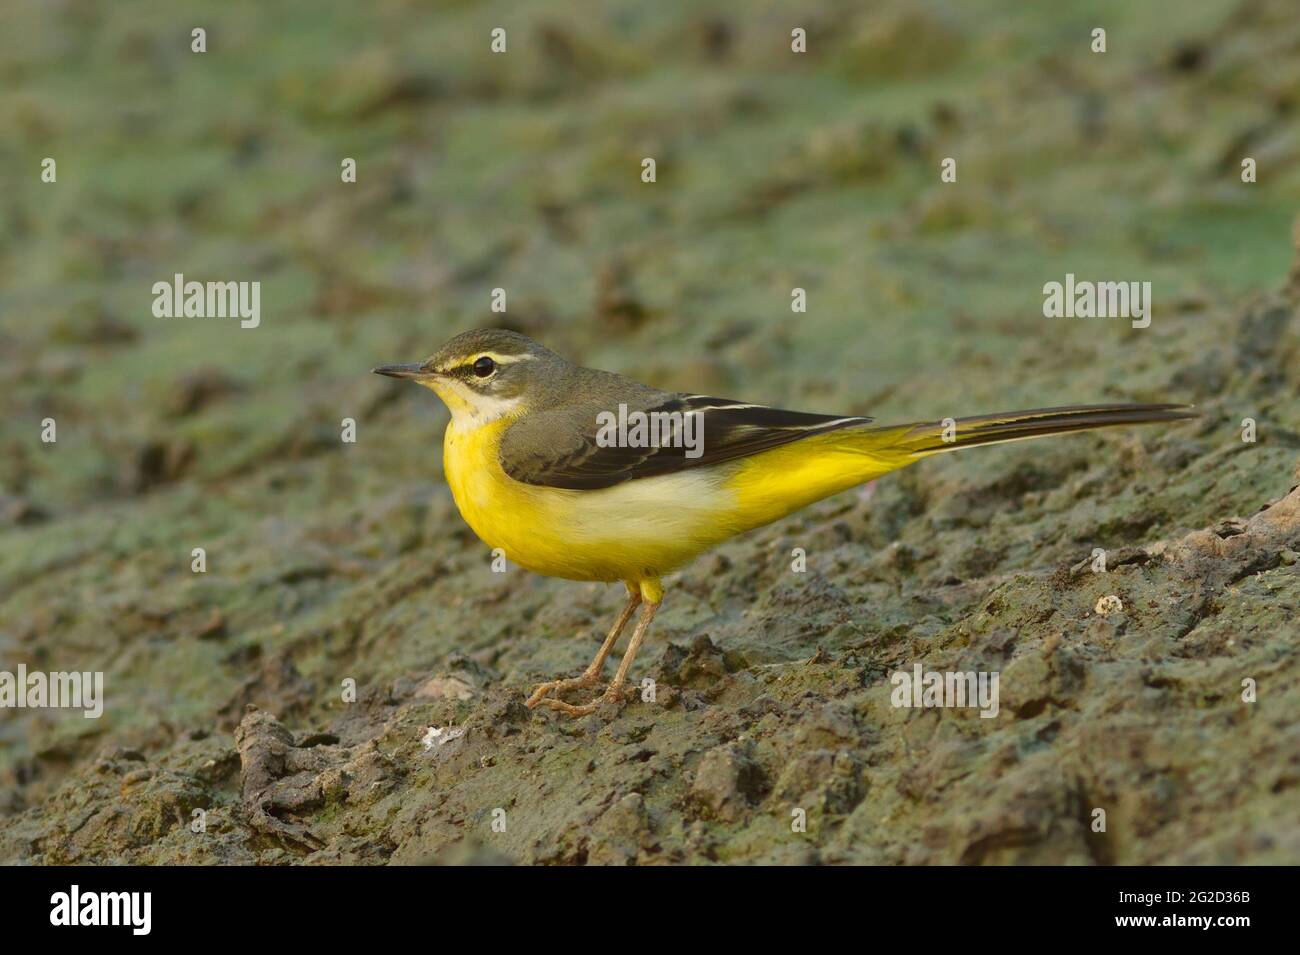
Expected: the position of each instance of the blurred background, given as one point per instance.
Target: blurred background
(522, 170)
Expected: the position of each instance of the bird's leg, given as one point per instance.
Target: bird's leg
(615, 689)
(614, 694)
(590, 676)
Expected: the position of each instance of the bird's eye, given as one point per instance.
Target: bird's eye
(484, 367)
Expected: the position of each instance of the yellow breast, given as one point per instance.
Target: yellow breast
(642, 529)
(634, 531)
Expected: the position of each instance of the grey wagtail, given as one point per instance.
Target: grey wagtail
(538, 469)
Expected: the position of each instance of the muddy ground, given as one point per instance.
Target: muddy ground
(333, 564)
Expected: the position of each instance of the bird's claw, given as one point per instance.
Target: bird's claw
(542, 690)
(613, 694)
(569, 708)
(539, 693)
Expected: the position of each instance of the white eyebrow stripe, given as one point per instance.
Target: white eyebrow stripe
(499, 359)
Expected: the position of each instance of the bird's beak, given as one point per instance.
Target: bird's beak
(416, 371)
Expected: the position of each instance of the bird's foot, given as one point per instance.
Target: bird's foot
(615, 694)
(542, 690)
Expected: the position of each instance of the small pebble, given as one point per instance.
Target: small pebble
(436, 737)
(1108, 605)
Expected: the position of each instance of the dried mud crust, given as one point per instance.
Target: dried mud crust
(1137, 713)
(230, 732)
(773, 701)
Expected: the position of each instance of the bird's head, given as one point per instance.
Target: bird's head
(485, 374)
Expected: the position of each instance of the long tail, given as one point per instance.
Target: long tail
(934, 437)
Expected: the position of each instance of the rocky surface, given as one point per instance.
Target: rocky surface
(344, 683)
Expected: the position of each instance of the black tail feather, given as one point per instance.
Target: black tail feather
(933, 437)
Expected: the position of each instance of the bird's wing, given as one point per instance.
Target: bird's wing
(573, 448)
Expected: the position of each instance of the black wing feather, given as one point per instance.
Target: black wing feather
(730, 429)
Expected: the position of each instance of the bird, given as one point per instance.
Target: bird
(587, 475)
